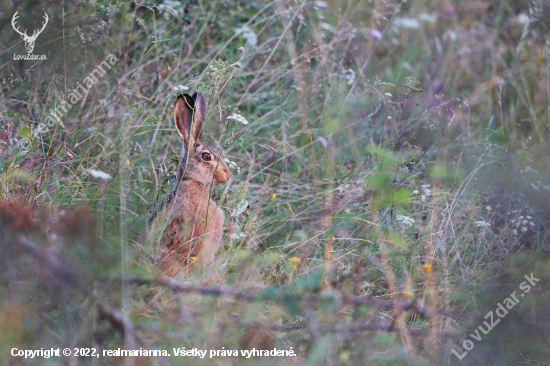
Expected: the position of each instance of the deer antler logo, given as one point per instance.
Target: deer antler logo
(29, 41)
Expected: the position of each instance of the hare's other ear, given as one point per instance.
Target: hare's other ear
(198, 121)
(183, 115)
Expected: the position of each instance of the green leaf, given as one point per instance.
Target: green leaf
(25, 132)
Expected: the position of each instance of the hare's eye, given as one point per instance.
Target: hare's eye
(206, 157)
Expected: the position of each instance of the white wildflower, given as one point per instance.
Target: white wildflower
(387, 94)
(350, 76)
(488, 208)
(376, 33)
(481, 223)
(169, 8)
(99, 174)
(180, 88)
(528, 217)
(300, 235)
(532, 224)
(409, 23)
(321, 4)
(248, 34)
(449, 36)
(241, 207)
(425, 188)
(237, 234)
(232, 165)
(523, 18)
(238, 118)
(515, 232)
(416, 191)
(523, 229)
(327, 27)
(405, 220)
(429, 18)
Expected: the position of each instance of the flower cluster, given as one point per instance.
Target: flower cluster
(523, 224)
(232, 165)
(241, 207)
(170, 8)
(180, 89)
(350, 76)
(425, 191)
(405, 220)
(238, 118)
(248, 34)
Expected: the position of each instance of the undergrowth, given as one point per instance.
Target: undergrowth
(389, 186)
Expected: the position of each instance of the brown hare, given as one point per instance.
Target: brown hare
(188, 223)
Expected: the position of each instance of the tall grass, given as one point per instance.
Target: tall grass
(389, 188)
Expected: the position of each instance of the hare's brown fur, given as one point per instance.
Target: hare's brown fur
(191, 223)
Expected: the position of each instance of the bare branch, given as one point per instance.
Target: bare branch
(354, 300)
(120, 322)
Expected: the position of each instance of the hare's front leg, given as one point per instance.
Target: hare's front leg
(210, 246)
(212, 238)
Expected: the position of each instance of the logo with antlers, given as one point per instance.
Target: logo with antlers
(29, 40)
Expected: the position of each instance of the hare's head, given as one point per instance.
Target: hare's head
(204, 164)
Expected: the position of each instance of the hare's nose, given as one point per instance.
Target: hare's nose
(222, 174)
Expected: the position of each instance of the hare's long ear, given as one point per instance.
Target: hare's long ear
(200, 110)
(183, 115)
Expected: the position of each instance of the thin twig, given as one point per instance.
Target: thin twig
(250, 297)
